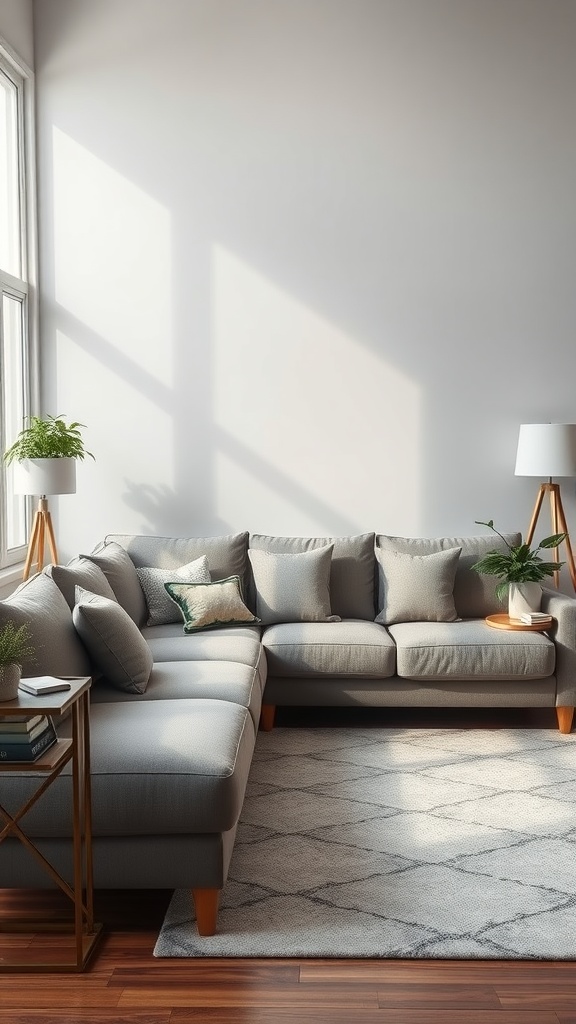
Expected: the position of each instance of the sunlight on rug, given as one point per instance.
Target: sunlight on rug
(415, 843)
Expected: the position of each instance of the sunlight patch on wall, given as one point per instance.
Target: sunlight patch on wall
(319, 434)
(126, 446)
(112, 254)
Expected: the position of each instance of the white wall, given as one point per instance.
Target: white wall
(16, 28)
(306, 265)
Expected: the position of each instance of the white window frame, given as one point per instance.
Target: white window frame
(24, 288)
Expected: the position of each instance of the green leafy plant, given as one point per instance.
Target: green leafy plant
(520, 563)
(48, 437)
(15, 644)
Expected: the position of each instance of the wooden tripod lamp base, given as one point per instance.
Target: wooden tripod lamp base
(42, 531)
(559, 525)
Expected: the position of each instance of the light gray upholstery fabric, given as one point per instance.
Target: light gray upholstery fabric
(58, 650)
(210, 605)
(127, 862)
(226, 555)
(416, 588)
(563, 608)
(161, 767)
(348, 648)
(470, 650)
(327, 691)
(177, 680)
(213, 645)
(161, 607)
(352, 569)
(113, 641)
(240, 644)
(121, 574)
(474, 595)
(292, 587)
(80, 572)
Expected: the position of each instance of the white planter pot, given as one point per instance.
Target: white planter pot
(9, 680)
(45, 476)
(523, 597)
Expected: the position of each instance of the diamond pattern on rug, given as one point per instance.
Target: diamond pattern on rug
(399, 843)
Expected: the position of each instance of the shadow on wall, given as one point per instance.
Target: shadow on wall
(264, 416)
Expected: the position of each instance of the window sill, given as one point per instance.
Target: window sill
(10, 578)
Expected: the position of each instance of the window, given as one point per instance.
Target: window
(17, 279)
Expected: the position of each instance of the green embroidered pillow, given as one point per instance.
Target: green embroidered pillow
(210, 605)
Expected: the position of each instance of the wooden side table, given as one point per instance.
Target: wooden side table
(502, 621)
(50, 764)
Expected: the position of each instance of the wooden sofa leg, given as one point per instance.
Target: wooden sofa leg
(267, 713)
(206, 907)
(565, 716)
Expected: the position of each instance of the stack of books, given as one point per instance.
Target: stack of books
(25, 738)
(533, 618)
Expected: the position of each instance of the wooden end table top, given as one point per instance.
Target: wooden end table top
(503, 621)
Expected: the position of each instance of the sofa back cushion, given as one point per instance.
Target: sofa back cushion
(226, 555)
(58, 649)
(474, 595)
(352, 571)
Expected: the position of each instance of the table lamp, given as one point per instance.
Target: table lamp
(41, 477)
(549, 450)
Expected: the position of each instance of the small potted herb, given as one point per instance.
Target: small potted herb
(15, 646)
(521, 571)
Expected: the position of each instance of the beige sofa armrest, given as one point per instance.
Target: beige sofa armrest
(563, 608)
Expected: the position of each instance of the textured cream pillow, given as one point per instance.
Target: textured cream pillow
(210, 605)
(161, 608)
(417, 588)
(293, 587)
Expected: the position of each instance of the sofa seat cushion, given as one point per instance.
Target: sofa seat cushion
(470, 650)
(352, 647)
(241, 644)
(177, 680)
(158, 767)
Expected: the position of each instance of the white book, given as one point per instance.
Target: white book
(533, 617)
(37, 685)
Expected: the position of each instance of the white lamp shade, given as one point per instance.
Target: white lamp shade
(45, 476)
(546, 450)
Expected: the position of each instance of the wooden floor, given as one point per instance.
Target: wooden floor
(125, 984)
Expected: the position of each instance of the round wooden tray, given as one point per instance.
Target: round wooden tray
(502, 621)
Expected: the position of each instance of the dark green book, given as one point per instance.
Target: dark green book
(28, 751)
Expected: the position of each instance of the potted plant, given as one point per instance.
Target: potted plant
(46, 452)
(521, 571)
(15, 645)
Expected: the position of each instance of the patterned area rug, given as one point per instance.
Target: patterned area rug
(437, 843)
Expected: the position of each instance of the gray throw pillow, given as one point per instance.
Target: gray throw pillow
(293, 587)
(121, 574)
(113, 640)
(210, 605)
(80, 572)
(161, 608)
(417, 588)
(58, 650)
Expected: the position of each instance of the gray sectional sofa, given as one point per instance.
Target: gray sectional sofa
(368, 620)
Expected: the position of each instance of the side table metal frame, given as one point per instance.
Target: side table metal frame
(76, 751)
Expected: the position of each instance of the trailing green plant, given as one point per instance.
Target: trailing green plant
(520, 563)
(15, 644)
(48, 437)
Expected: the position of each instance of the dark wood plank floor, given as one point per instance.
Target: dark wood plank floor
(125, 984)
